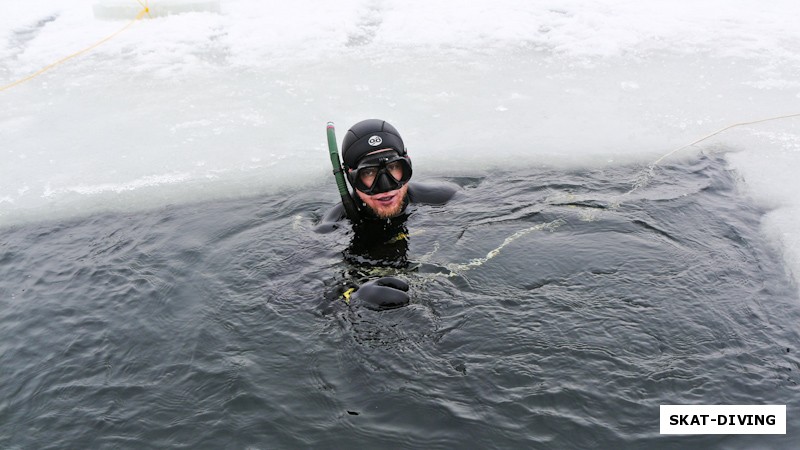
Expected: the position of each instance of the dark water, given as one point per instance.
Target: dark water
(206, 326)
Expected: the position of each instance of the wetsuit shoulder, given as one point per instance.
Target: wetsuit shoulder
(331, 220)
(431, 193)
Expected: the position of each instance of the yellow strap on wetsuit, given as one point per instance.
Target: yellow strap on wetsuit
(400, 236)
(347, 295)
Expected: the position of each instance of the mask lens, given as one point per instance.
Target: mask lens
(367, 176)
(395, 169)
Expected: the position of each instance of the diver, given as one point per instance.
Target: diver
(378, 169)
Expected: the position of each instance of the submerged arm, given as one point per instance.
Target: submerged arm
(331, 220)
(431, 193)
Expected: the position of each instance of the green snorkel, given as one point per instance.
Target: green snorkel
(349, 206)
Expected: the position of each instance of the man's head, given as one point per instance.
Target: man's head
(377, 166)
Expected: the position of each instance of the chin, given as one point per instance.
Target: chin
(388, 213)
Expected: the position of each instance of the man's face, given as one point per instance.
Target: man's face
(386, 204)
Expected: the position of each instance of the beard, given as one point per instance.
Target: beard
(386, 211)
(390, 211)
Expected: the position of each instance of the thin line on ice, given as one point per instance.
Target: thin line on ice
(147, 181)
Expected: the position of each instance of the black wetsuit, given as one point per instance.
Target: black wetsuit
(379, 242)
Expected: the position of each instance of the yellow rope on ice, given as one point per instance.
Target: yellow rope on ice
(145, 10)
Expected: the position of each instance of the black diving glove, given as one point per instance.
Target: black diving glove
(383, 293)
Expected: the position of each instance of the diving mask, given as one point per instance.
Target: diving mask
(381, 172)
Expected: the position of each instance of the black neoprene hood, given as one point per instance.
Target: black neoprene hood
(366, 137)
